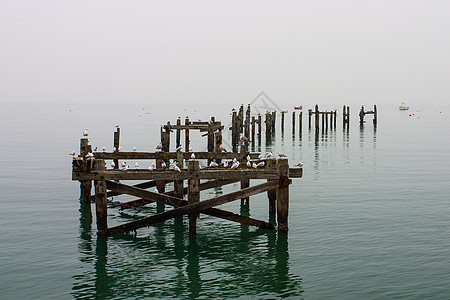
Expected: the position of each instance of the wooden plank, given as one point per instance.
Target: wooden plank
(194, 207)
(213, 173)
(295, 172)
(152, 196)
(172, 155)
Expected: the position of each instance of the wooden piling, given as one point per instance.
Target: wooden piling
(361, 115)
(253, 129)
(178, 133)
(272, 194)
(309, 118)
(85, 185)
(293, 121)
(116, 144)
(300, 122)
(316, 117)
(259, 128)
(186, 135)
(234, 131)
(193, 193)
(374, 114)
(211, 135)
(101, 206)
(283, 195)
(282, 120)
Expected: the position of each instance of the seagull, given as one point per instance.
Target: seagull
(163, 164)
(249, 164)
(136, 165)
(124, 164)
(152, 166)
(281, 154)
(117, 126)
(248, 157)
(159, 146)
(234, 160)
(120, 148)
(134, 148)
(156, 190)
(179, 148)
(213, 164)
(222, 148)
(260, 164)
(193, 156)
(260, 156)
(89, 155)
(106, 165)
(85, 132)
(243, 138)
(95, 148)
(113, 164)
(72, 153)
(114, 149)
(104, 149)
(254, 165)
(176, 168)
(235, 165)
(269, 155)
(225, 163)
(300, 164)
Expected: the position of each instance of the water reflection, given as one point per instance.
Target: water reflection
(220, 262)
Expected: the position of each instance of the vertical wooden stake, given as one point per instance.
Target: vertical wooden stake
(234, 131)
(101, 206)
(283, 195)
(186, 133)
(293, 121)
(193, 192)
(210, 141)
(300, 122)
(272, 194)
(116, 145)
(253, 129)
(85, 185)
(178, 133)
(309, 118)
(374, 114)
(282, 120)
(259, 128)
(316, 117)
(361, 116)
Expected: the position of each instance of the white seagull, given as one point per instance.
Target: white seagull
(85, 132)
(163, 164)
(134, 148)
(235, 165)
(89, 155)
(95, 148)
(176, 168)
(193, 156)
(243, 138)
(113, 164)
(213, 164)
(104, 149)
(72, 153)
(300, 164)
(225, 163)
(254, 165)
(281, 154)
(179, 148)
(248, 157)
(260, 164)
(159, 146)
(114, 149)
(269, 155)
(152, 166)
(222, 148)
(136, 165)
(249, 164)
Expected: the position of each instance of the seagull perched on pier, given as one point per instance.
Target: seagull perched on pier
(269, 155)
(175, 167)
(225, 163)
(95, 148)
(104, 149)
(89, 155)
(193, 156)
(113, 164)
(281, 154)
(300, 164)
(222, 148)
(72, 153)
(235, 165)
(243, 138)
(213, 164)
(136, 165)
(153, 166)
(120, 148)
(85, 132)
(254, 165)
(134, 149)
(114, 149)
(249, 164)
(248, 157)
(159, 146)
(163, 164)
(260, 156)
(124, 166)
(179, 148)
(260, 164)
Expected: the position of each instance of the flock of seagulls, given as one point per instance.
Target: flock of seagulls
(213, 164)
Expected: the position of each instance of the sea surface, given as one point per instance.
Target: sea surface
(370, 219)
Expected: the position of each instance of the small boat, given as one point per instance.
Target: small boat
(298, 107)
(403, 106)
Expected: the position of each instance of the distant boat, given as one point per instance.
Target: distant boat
(403, 106)
(298, 107)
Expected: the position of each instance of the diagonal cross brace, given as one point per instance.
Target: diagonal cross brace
(185, 209)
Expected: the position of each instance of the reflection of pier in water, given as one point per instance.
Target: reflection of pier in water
(174, 264)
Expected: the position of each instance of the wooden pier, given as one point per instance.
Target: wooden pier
(183, 169)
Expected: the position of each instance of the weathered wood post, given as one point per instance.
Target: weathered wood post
(178, 133)
(193, 192)
(186, 135)
(85, 185)
(283, 195)
(331, 119)
(293, 121)
(259, 128)
(323, 120)
(247, 122)
(300, 122)
(335, 117)
(218, 142)
(316, 117)
(374, 114)
(178, 184)
(253, 129)
(282, 120)
(211, 126)
(241, 119)
(116, 145)
(268, 124)
(245, 183)
(272, 194)
(274, 117)
(101, 206)
(361, 115)
(309, 118)
(234, 131)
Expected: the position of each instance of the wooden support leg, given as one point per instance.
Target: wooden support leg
(101, 206)
(283, 196)
(193, 193)
(86, 187)
(272, 194)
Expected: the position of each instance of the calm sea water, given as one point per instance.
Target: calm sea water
(369, 219)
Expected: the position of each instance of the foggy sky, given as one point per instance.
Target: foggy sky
(214, 51)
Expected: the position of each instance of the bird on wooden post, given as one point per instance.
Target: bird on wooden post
(159, 146)
(85, 132)
(72, 153)
(243, 138)
(179, 148)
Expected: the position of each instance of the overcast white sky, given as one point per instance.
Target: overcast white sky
(343, 52)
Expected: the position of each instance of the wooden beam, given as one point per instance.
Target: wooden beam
(194, 207)
(173, 155)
